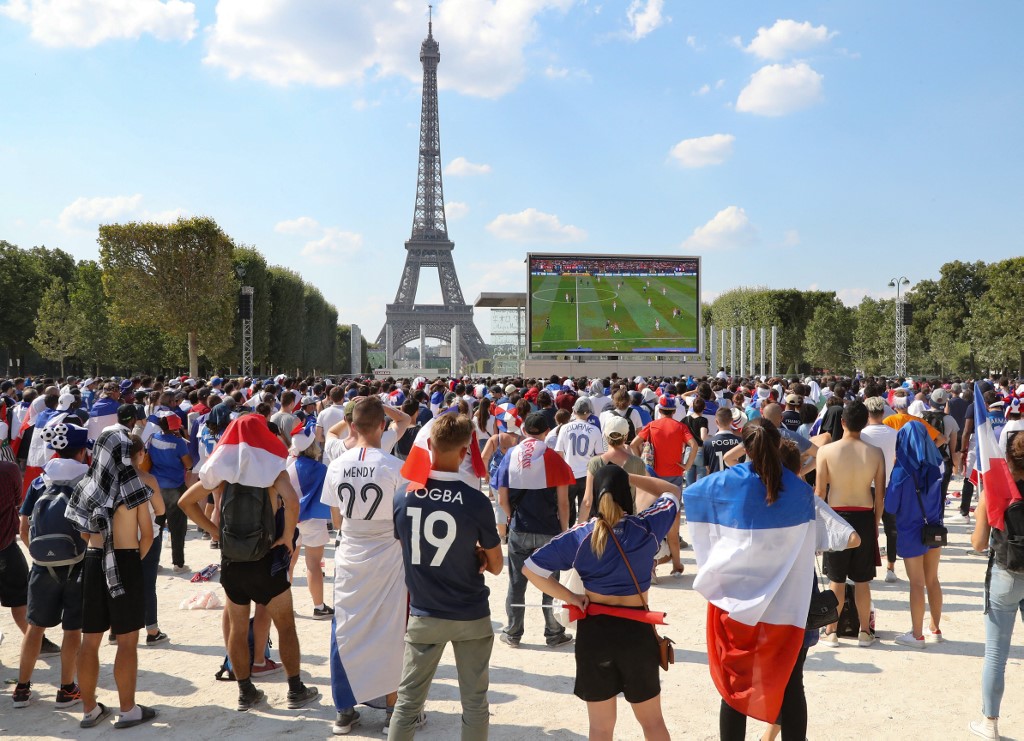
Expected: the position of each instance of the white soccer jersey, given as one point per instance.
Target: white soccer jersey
(362, 484)
(579, 441)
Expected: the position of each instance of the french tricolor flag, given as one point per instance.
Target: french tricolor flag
(756, 569)
(248, 453)
(416, 469)
(102, 415)
(996, 481)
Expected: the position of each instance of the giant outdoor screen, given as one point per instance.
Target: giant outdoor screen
(613, 304)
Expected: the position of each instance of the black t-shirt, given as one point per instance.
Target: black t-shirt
(832, 422)
(715, 449)
(695, 425)
(791, 420)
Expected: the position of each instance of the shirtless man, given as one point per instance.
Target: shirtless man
(113, 592)
(851, 478)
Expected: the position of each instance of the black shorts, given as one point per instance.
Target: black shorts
(616, 655)
(856, 564)
(251, 581)
(13, 576)
(100, 611)
(55, 598)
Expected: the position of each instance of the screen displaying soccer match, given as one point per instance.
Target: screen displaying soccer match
(613, 304)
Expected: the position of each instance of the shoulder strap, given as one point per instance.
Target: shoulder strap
(611, 531)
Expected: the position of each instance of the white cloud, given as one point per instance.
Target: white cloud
(164, 217)
(702, 90)
(644, 16)
(455, 210)
(87, 23)
(786, 38)
(730, 228)
(333, 246)
(853, 296)
(461, 167)
(703, 150)
(532, 225)
(556, 73)
(329, 43)
(719, 84)
(87, 212)
(791, 238)
(777, 89)
(304, 226)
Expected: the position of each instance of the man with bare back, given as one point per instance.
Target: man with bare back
(851, 478)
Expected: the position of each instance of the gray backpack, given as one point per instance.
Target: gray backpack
(247, 524)
(53, 540)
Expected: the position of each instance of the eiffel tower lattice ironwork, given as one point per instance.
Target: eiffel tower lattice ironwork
(429, 246)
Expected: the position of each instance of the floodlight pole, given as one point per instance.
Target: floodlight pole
(247, 365)
(900, 353)
(774, 336)
(743, 349)
(751, 369)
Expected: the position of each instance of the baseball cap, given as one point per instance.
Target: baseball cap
(583, 406)
(939, 396)
(65, 435)
(308, 400)
(510, 389)
(129, 414)
(536, 423)
(173, 420)
(616, 427)
(793, 399)
(667, 402)
(65, 401)
(125, 384)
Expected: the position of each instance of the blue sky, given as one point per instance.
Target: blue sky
(817, 144)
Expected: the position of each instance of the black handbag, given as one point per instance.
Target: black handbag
(932, 536)
(824, 608)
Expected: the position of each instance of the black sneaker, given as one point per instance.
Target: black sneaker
(154, 640)
(23, 695)
(303, 697)
(49, 648)
(559, 640)
(248, 700)
(344, 722)
(323, 613)
(68, 698)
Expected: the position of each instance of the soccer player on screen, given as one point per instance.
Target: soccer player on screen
(657, 325)
(615, 305)
(648, 302)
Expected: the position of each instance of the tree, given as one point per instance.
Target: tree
(176, 278)
(873, 335)
(830, 336)
(287, 299)
(995, 331)
(88, 312)
(55, 327)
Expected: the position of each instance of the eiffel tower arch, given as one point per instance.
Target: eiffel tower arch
(429, 245)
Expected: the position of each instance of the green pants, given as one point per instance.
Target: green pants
(425, 640)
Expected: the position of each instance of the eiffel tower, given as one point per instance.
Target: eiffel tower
(429, 246)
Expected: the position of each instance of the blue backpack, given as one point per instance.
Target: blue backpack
(53, 540)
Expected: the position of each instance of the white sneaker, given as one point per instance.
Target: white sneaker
(830, 639)
(959, 519)
(986, 728)
(890, 577)
(933, 636)
(908, 639)
(865, 639)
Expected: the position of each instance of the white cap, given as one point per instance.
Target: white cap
(64, 402)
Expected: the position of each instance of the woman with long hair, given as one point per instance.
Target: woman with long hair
(1004, 598)
(754, 537)
(616, 648)
(483, 422)
(914, 497)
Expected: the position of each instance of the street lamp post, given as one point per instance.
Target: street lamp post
(901, 330)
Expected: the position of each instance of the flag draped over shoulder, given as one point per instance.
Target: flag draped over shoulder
(756, 569)
(996, 481)
(248, 453)
(101, 416)
(416, 469)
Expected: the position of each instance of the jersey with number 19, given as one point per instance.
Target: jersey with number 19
(440, 526)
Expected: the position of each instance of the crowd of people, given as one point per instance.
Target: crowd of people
(580, 486)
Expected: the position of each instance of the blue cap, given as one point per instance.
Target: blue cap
(125, 385)
(216, 381)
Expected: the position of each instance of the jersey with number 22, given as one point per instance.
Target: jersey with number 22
(362, 483)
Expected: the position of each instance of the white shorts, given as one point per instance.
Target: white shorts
(313, 533)
(500, 518)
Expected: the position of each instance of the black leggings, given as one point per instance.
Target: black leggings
(732, 724)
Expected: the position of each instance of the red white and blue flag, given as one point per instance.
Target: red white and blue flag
(416, 469)
(990, 465)
(102, 415)
(755, 568)
(248, 453)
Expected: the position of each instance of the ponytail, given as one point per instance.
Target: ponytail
(761, 442)
(608, 515)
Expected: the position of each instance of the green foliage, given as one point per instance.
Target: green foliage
(319, 331)
(177, 278)
(995, 330)
(54, 336)
(88, 314)
(287, 296)
(830, 336)
(875, 322)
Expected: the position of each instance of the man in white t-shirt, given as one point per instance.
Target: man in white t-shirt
(883, 437)
(578, 442)
(331, 415)
(339, 438)
(369, 583)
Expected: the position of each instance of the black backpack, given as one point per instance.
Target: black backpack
(247, 524)
(632, 427)
(848, 625)
(938, 421)
(1013, 522)
(53, 540)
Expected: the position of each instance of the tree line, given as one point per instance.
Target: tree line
(963, 322)
(163, 297)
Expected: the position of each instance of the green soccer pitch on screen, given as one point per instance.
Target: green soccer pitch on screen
(613, 304)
